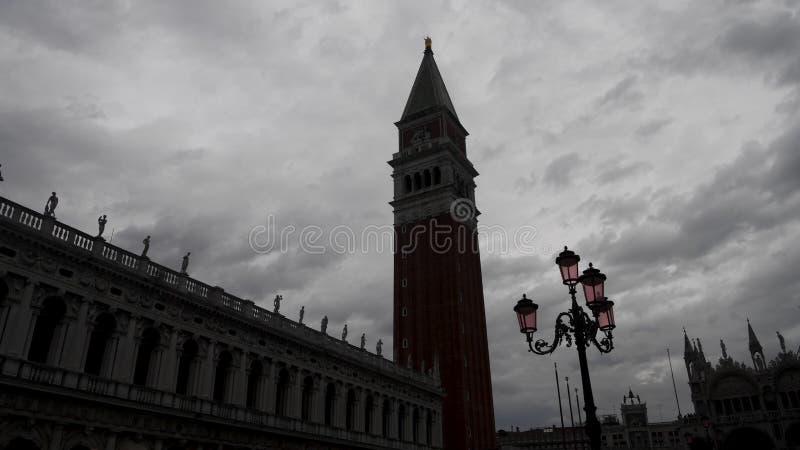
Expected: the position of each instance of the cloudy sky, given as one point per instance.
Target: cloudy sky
(660, 140)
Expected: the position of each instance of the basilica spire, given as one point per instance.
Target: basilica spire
(428, 92)
(753, 343)
(756, 352)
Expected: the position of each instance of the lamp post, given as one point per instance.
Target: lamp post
(575, 324)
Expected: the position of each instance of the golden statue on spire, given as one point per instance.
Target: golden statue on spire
(427, 42)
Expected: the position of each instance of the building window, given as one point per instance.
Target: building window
(282, 393)
(437, 175)
(330, 399)
(253, 381)
(404, 283)
(306, 398)
(185, 363)
(404, 311)
(221, 376)
(104, 327)
(405, 343)
(144, 357)
(52, 313)
(407, 183)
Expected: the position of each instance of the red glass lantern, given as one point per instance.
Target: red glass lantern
(593, 281)
(568, 264)
(526, 315)
(604, 311)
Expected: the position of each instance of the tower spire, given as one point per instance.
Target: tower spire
(428, 92)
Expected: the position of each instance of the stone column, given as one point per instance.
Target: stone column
(262, 391)
(270, 388)
(111, 441)
(123, 367)
(55, 438)
(422, 433)
(208, 368)
(393, 406)
(377, 415)
(239, 379)
(358, 410)
(295, 394)
(437, 429)
(20, 323)
(317, 413)
(166, 381)
(76, 339)
(339, 406)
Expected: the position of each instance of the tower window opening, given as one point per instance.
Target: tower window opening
(404, 311)
(404, 282)
(417, 181)
(405, 342)
(407, 183)
(437, 175)
(427, 178)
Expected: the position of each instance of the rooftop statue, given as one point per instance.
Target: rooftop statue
(363, 340)
(344, 333)
(50, 206)
(379, 347)
(324, 325)
(101, 225)
(277, 303)
(781, 341)
(185, 263)
(302, 313)
(146, 243)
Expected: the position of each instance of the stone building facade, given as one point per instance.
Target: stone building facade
(101, 348)
(747, 406)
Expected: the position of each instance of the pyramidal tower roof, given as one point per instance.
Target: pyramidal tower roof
(429, 90)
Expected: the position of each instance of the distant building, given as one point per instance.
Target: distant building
(633, 432)
(747, 407)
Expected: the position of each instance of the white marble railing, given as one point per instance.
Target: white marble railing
(40, 374)
(34, 222)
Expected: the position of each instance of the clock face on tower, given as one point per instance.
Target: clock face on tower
(421, 135)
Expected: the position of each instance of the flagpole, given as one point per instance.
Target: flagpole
(560, 410)
(669, 358)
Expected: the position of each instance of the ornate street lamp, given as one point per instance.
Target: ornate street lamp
(576, 324)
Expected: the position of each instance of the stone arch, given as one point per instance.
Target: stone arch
(306, 398)
(417, 181)
(427, 179)
(429, 428)
(748, 438)
(221, 375)
(253, 382)
(282, 393)
(401, 422)
(415, 425)
(407, 184)
(44, 332)
(350, 410)
(3, 290)
(437, 175)
(369, 408)
(330, 403)
(186, 367)
(792, 435)
(20, 443)
(386, 417)
(148, 343)
(98, 353)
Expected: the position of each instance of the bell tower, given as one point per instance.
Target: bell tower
(439, 315)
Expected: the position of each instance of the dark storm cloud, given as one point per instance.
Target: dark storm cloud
(558, 172)
(624, 93)
(194, 124)
(652, 127)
